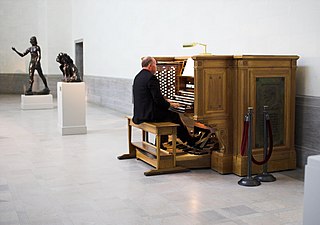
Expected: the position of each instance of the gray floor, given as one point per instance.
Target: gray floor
(47, 178)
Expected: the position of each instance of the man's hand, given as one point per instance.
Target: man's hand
(174, 104)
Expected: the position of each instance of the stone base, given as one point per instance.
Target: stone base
(73, 130)
(36, 101)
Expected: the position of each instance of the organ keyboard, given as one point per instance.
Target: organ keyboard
(174, 86)
(186, 101)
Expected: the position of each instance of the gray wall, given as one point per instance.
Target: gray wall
(13, 83)
(115, 93)
(307, 139)
(16, 83)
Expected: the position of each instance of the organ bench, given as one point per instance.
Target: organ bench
(163, 161)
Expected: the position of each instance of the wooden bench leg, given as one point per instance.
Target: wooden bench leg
(174, 144)
(176, 169)
(132, 150)
(158, 144)
(145, 136)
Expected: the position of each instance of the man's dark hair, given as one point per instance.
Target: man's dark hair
(146, 61)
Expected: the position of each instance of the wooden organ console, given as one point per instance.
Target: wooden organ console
(219, 94)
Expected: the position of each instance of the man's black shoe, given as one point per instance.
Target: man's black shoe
(162, 147)
(192, 141)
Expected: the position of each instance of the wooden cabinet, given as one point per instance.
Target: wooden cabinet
(259, 81)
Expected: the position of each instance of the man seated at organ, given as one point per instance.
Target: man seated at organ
(151, 106)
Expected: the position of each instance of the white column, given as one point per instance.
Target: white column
(71, 104)
(311, 214)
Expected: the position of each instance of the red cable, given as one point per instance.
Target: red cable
(244, 141)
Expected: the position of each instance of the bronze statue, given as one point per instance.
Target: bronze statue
(69, 70)
(34, 64)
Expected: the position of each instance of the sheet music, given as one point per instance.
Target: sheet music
(189, 68)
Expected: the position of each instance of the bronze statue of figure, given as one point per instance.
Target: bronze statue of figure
(34, 64)
(69, 70)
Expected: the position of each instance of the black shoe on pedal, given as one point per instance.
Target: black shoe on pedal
(162, 147)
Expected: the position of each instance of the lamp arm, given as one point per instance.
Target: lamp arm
(205, 47)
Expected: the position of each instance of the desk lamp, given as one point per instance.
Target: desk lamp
(197, 43)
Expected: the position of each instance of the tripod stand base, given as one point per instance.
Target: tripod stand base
(265, 177)
(249, 182)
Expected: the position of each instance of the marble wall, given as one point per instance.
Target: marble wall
(12, 83)
(115, 93)
(307, 139)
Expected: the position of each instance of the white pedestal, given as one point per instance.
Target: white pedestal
(311, 211)
(36, 101)
(71, 108)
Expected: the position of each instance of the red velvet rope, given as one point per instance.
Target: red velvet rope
(270, 147)
(244, 141)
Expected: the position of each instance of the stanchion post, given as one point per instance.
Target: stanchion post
(265, 176)
(249, 181)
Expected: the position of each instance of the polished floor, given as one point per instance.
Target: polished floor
(50, 179)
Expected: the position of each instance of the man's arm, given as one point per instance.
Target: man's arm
(39, 55)
(158, 98)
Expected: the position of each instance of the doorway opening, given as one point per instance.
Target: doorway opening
(79, 57)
